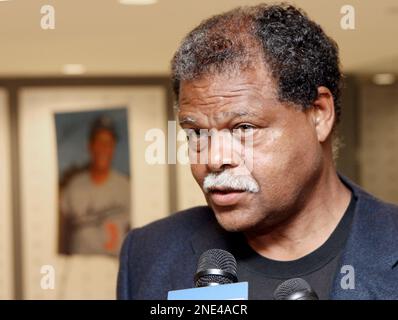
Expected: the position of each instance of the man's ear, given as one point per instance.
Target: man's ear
(323, 115)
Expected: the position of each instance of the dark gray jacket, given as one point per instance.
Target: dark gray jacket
(163, 255)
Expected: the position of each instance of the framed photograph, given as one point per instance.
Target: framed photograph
(94, 181)
(76, 144)
(6, 225)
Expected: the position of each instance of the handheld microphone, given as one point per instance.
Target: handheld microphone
(215, 279)
(216, 267)
(295, 289)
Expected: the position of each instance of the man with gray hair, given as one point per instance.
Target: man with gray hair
(269, 75)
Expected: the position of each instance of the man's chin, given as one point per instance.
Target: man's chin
(234, 220)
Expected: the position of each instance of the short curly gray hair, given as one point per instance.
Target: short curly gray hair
(299, 55)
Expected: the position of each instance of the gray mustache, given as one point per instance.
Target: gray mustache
(228, 180)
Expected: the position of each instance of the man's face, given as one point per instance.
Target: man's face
(102, 147)
(286, 156)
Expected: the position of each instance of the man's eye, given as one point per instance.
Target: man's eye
(245, 127)
(243, 131)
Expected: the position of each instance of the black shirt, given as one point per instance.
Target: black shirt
(318, 268)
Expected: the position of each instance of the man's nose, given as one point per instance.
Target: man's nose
(223, 151)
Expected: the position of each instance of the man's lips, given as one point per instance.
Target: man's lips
(226, 197)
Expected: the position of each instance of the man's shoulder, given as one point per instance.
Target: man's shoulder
(376, 215)
(371, 202)
(384, 210)
(152, 254)
(376, 204)
(167, 238)
(79, 180)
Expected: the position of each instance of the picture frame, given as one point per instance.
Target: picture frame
(77, 276)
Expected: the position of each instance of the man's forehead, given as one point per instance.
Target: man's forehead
(234, 77)
(231, 96)
(191, 119)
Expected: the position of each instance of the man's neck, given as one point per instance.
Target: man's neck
(310, 227)
(99, 176)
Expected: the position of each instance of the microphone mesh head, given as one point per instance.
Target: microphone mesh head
(216, 259)
(287, 288)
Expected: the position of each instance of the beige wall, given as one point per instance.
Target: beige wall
(379, 141)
